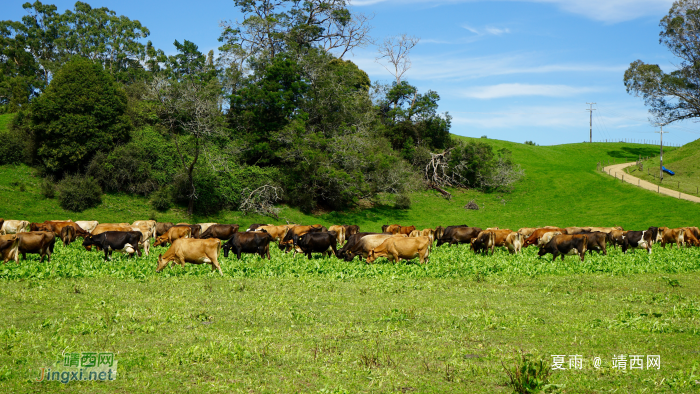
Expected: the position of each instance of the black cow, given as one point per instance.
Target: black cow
(637, 239)
(317, 242)
(347, 252)
(596, 241)
(458, 235)
(249, 242)
(220, 231)
(564, 244)
(287, 243)
(123, 241)
(351, 230)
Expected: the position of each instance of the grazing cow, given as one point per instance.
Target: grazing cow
(446, 233)
(534, 238)
(103, 227)
(175, 232)
(573, 230)
(68, 235)
(397, 248)
(317, 242)
(196, 228)
(695, 231)
(220, 231)
(514, 242)
(351, 230)
(655, 234)
(340, 234)
(544, 239)
(352, 242)
(8, 247)
(146, 235)
(458, 235)
(288, 241)
(14, 227)
(497, 238)
(415, 233)
(249, 242)
(616, 238)
(121, 241)
(58, 226)
(564, 244)
(365, 244)
(39, 242)
(194, 251)
(205, 226)
(162, 228)
(87, 225)
(276, 232)
(672, 235)
(490, 239)
(391, 228)
(637, 239)
(690, 238)
(525, 232)
(481, 242)
(40, 227)
(406, 230)
(596, 241)
(439, 231)
(255, 226)
(148, 225)
(602, 229)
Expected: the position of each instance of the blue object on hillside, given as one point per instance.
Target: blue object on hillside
(666, 170)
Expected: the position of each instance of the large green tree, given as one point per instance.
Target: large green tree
(674, 95)
(82, 112)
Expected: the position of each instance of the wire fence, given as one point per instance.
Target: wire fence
(640, 141)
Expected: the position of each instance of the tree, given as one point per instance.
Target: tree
(81, 113)
(270, 27)
(675, 95)
(188, 98)
(394, 51)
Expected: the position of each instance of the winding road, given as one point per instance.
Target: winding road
(616, 170)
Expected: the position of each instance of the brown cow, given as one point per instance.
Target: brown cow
(103, 227)
(672, 235)
(39, 242)
(220, 231)
(491, 239)
(616, 238)
(162, 228)
(205, 226)
(196, 229)
(406, 230)
(288, 241)
(276, 232)
(392, 229)
(68, 235)
(690, 238)
(396, 248)
(8, 247)
(564, 244)
(534, 238)
(351, 230)
(58, 226)
(192, 250)
(175, 232)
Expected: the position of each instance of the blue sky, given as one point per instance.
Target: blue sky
(515, 70)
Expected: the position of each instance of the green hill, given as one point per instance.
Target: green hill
(683, 161)
(561, 187)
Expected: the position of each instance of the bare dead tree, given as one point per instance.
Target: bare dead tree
(394, 51)
(437, 174)
(345, 37)
(261, 201)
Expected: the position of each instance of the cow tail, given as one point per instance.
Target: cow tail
(585, 244)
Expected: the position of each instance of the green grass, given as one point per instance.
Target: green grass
(683, 161)
(5, 121)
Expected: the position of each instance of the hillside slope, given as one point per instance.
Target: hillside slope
(683, 161)
(561, 187)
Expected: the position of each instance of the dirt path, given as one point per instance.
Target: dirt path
(617, 171)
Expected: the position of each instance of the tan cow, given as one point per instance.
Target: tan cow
(602, 229)
(428, 232)
(205, 226)
(276, 232)
(148, 225)
(367, 243)
(340, 234)
(87, 225)
(14, 227)
(526, 232)
(498, 238)
(174, 233)
(514, 242)
(415, 233)
(8, 247)
(573, 230)
(397, 248)
(102, 227)
(546, 237)
(672, 235)
(690, 238)
(393, 229)
(146, 236)
(194, 251)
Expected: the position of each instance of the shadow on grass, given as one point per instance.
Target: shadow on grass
(398, 216)
(629, 153)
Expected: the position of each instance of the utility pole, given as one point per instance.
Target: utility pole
(591, 122)
(661, 155)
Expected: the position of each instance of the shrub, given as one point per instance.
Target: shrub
(530, 143)
(48, 188)
(403, 201)
(77, 193)
(528, 375)
(162, 200)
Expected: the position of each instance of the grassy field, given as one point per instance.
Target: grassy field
(683, 161)
(295, 325)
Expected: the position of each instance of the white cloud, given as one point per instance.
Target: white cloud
(519, 89)
(610, 11)
(489, 30)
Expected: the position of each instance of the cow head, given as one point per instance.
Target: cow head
(371, 256)
(88, 242)
(161, 263)
(541, 252)
(161, 240)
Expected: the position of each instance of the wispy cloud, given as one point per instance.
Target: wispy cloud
(466, 68)
(609, 11)
(489, 30)
(518, 89)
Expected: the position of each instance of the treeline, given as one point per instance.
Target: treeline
(277, 117)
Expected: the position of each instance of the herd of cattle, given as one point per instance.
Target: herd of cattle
(201, 243)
